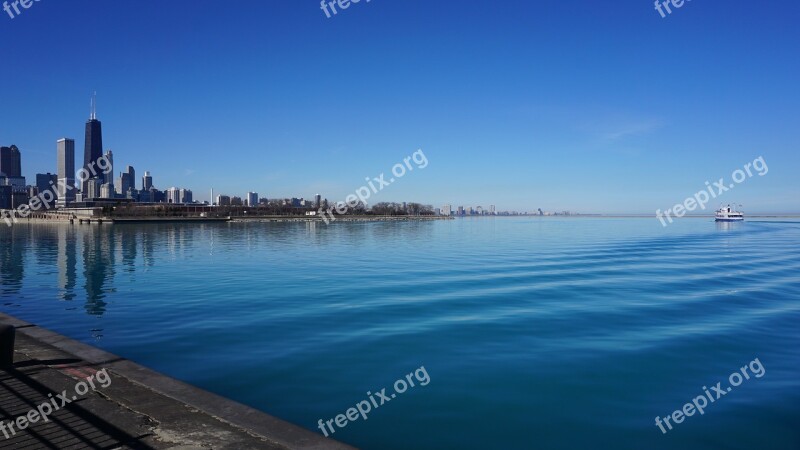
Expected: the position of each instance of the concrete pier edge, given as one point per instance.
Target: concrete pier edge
(236, 414)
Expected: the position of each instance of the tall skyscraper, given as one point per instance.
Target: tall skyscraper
(10, 162)
(317, 201)
(65, 153)
(131, 176)
(93, 147)
(108, 175)
(147, 182)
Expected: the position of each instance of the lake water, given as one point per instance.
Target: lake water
(542, 333)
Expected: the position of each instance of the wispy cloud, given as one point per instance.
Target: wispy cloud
(617, 128)
(636, 128)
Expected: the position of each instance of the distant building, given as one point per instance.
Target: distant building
(447, 210)
(186, 196)
(223, 200)
(107, 191)
(252, 198)
(47, 182)
(317, 201)
(147, 181)
(236, 201)
(124, 182)
(460, 211)
(65, 154)
(93, 186)
(10, 162)
(158, 196)
(173, 195)
(131, 176)
(145, 196)
(108, 175)
(5, 197)
(492, 211)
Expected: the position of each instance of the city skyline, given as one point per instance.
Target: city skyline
(623, 137)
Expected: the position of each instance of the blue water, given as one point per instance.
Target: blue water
(535, 332)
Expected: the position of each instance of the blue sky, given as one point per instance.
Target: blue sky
(581, 105)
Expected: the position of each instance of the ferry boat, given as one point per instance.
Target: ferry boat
(729, 214)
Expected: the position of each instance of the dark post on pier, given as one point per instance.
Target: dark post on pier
(6, 346)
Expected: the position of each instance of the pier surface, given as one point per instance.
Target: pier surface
(137, 409)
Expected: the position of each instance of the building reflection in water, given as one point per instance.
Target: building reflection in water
(66, 261)
(98, 266)
(12, 264)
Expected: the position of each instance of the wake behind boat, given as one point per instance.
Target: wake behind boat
(729, 214)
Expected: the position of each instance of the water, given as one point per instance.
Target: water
(535, 332)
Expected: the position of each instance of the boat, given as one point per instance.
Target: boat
(729, 214)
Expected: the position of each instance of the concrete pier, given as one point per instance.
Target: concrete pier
(138, 409)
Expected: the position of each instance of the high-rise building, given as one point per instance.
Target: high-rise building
(47, 182)
(147, 181)
(317, 201)
(6, 197)
(93, 147)
(176, 195)
(447, 210)
(173, 195)
(131, 176)
(10, 162)
(123, 183)
(108, 175)
(186, 196)
(65, 154)
(93, 189)
(252, 198)
(107, 191)
(223, 200)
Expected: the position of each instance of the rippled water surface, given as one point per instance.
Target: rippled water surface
(536, 332)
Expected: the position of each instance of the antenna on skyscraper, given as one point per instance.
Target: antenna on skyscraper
(94, 106)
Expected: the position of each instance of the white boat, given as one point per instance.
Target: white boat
(729, 214)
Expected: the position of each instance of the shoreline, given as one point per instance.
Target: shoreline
(41, 219)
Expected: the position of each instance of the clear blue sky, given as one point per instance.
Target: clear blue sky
(582, 105)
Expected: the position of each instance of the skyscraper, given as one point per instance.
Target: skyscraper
(131, 176)
(10, 162)
(252, 198)
(65, 153)
(147, 182)
(108, 175)
(123, 183)
(93, 147)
